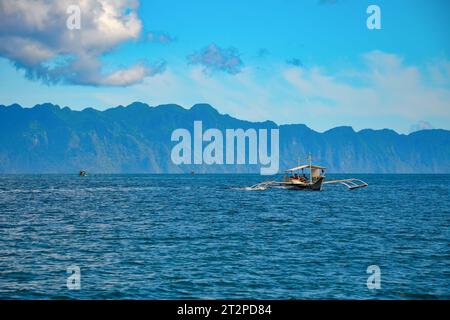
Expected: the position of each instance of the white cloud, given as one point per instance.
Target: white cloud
(385, 92)
(421, 125)
(34, 33)
(25, 51)
(385, 87)
(125, 77)
(439, 71)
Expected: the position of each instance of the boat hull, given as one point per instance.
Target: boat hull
(316, 186)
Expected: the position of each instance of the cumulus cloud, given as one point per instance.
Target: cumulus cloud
(215, 58)
(131, 75)
(34, 36)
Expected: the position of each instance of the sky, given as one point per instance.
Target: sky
(314, 61)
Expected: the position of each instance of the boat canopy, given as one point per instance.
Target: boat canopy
(305, 166)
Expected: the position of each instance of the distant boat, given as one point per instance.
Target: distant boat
(192, 172)
(82, 173)
(307, 177)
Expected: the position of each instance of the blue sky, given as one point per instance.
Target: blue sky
(312, 62)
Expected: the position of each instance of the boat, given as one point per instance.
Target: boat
(297, 179)
(82, 173)
(308, 177)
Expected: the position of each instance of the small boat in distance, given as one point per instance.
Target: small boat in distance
(307, 177)
(82, 173)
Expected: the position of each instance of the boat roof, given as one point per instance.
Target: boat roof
(305, 166)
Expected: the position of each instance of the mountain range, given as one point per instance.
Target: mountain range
(137, 139)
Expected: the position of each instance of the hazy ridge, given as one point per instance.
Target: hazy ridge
(136, 139)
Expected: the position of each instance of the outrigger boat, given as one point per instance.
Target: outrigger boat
(307, 177)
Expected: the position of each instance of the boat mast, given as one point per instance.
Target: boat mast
(310, 169)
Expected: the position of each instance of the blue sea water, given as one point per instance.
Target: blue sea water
(195, 236)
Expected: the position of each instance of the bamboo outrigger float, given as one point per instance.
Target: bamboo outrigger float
(349, 183)
(313, 179)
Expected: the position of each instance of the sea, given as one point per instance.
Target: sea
(206, 236)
